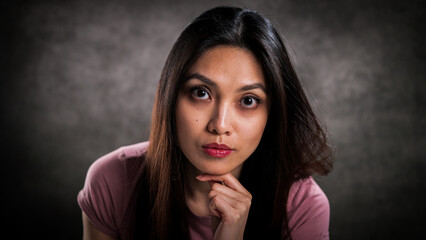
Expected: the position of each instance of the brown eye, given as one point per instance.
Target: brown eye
(249, 102)
(200, 93)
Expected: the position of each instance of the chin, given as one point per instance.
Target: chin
(216, 170)
(217, 173)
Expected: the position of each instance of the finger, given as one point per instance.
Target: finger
(236, 203)
(213, 182)
(217, 188)
(228, 213)
(214, 211)
(220, 207)
(228, 179)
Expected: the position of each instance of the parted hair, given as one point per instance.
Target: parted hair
(293, 145)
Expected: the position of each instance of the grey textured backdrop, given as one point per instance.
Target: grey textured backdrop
(78, 80)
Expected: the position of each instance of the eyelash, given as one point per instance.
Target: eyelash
(255, 98)
(196, 88)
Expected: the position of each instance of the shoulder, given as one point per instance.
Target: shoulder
(117, 168)
(109, 186)
(308, 210)
(118, 163)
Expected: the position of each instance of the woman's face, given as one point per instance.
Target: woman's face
(222, 110)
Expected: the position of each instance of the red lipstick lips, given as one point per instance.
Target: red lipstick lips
(217, 150)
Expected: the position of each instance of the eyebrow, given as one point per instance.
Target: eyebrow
(208, 81)
(202, 78)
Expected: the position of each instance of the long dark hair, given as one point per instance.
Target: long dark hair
(293, 145)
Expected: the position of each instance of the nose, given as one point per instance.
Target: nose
(220, 122)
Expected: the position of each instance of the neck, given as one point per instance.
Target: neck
(196, 192)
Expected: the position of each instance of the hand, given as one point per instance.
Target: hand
(230, 202)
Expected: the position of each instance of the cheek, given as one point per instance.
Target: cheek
(182, 125)
(187, 121)
(252, 128)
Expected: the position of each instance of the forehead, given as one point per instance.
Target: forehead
(230, 64)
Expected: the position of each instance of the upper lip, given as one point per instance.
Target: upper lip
(217, 146)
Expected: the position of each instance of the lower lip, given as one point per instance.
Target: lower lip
(217, 153)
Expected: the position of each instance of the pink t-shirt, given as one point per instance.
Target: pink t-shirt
(108, 200)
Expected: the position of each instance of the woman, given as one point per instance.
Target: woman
(233, 145)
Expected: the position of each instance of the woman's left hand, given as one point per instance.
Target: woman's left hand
(230, 202)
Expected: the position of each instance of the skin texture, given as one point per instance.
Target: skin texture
(219, 116)
(224, 101)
